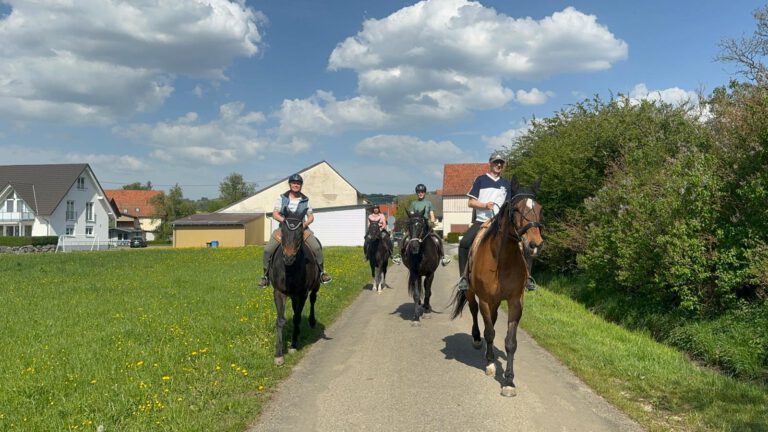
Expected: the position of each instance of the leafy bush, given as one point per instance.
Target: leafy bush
(28, 241)
(453, 237)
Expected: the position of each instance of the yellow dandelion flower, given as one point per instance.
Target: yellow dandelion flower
(166, 378)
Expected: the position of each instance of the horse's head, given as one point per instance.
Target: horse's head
(417, 230)
(292, 235)
(373, 231)
(525, 214)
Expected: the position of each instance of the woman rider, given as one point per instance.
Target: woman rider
(294, 201)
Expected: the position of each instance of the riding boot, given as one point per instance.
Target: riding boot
(264, 280)
(324, 277)
(463, 284)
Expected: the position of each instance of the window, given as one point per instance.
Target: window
(9, 205)
(81, 183)
(89, 216)
(89, 231)
(71, 210)
(28, 230)
(70, 230)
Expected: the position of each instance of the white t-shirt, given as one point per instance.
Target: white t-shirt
(293, 204)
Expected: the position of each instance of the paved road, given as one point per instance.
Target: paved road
(376, 372)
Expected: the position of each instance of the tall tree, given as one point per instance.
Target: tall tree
(170, 207)
(138, 186)
(748, 52)
(233, 188)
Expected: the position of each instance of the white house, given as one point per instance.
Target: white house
(457, 181)
(64, 200)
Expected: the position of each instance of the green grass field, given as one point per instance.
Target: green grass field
(142, 340)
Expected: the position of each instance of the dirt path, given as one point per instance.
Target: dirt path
(376, 372)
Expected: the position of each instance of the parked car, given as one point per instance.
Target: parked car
(397, 237)
(138, 242)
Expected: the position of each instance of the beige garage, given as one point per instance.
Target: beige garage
(219, 229)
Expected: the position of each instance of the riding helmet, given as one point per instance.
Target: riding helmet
(295, 179)
(421, 188)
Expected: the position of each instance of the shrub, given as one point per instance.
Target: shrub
(452, 237)
(28, 241)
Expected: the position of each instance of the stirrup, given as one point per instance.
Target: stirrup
(263, 283)
(531, 284)
(325, 278)
(445, 261)
(397, 260)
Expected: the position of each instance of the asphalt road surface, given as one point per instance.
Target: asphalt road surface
(377, 372)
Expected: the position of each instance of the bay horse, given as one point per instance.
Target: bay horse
(294, 273)
(378, 253)
(421, 256)
(497, 271)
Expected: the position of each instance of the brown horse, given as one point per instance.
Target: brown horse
(497, 271)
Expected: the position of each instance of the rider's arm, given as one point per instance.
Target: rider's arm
(310, 218)
(474, 203)
(432, 217)
(277, 216)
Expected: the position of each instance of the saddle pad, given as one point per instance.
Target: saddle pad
(476, 244)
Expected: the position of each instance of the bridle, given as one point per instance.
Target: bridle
(421, 235)
(525, 215)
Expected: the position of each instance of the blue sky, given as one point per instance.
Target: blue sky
(187, 92)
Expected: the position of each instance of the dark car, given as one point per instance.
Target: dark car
(397, 237)
(138, 242)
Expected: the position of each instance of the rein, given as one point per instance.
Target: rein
(519, 232)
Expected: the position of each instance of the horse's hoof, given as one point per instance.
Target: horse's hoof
(279, 361)
(477, 344)
(291, 350)
(415, 324)
(490, 370)
(426, 315)
(508, 391)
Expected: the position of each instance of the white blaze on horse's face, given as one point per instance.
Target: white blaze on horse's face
(529, 203)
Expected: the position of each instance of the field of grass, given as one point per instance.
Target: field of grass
(656, 385)
(141, 340)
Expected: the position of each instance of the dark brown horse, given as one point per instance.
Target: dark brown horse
(422, 256)
(378, 253)
(497, 272)
(294, 273)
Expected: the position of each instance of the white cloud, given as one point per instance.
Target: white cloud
(533, 97)
(94, 61)
(228, 139)
(322, 114)
(126, 164)
(506, 139)
(440, 60)
(673, 95)
(407, 150)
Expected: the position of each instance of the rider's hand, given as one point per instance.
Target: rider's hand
(489, 205)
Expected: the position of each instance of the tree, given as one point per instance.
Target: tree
(748, 53)
(170, 207)
(233, 188)
(138, 186)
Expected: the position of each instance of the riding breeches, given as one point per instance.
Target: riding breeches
(311, 241)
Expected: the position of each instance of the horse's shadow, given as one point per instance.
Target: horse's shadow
(369, 286)
(406, 311)
(459, 347)
(308, 335)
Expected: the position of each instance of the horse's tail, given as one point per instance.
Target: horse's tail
(459, 300)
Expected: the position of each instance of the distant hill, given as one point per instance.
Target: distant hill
(380, 198)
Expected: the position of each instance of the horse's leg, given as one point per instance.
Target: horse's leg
(414, 281)
(312, 300)
(428, 292)
(510, 345)
(298, 305)
(489, 332)
(280, 299)
(373, 274)
(477, 342)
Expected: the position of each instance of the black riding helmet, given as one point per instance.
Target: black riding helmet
(295, 179)
(421, 188)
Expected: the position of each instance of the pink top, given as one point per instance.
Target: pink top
(380, 218)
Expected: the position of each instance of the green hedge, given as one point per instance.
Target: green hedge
(28, 241)
(452, 237)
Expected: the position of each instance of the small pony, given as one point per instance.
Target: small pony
(294, 273)
(497, 271)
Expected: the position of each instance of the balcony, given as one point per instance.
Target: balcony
(16, 217)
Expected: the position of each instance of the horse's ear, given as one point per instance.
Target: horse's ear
(302, 214)
(424, 212)
(515, 183)
(285, 210)
(535, 185)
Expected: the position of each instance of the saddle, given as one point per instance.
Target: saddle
(475, 245)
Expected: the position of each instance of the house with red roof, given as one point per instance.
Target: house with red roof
(457, 181)
(135, 205)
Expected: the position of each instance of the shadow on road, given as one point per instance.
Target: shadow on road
(459, 347)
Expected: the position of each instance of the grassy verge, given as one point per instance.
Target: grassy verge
(656, 385)
(139, 340)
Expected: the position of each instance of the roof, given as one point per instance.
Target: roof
(217, 219)
(458, 178)
(42, 187)
(128, 201)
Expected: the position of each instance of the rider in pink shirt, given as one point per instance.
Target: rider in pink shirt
(376, 217)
